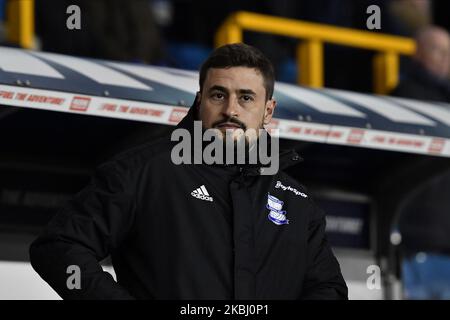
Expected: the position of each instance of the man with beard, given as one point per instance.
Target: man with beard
(196, 231)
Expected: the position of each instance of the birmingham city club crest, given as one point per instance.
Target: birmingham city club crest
(277, 215)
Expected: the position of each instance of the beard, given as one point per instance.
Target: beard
(239, 143)
(239, 134)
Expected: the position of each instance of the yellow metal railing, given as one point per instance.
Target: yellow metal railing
(20, 22)
(310, 48)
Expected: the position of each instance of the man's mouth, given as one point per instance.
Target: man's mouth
(228, 125)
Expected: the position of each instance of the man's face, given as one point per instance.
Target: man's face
(234, 98)
(435, 54)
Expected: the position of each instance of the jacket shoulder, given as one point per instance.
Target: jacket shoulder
(316, 212)
(143, 154)
(285, 177)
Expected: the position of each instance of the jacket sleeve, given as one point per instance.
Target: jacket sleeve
(84, 232)
(323, 279)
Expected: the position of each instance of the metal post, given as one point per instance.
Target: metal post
(310, 63)
(20, 23)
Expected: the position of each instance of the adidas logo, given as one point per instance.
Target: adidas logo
(202, 194)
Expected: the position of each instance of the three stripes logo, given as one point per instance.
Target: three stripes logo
(202, 194)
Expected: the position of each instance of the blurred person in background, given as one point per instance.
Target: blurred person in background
(427, 75)
(424, 225)
(110, 29)
(412, 15)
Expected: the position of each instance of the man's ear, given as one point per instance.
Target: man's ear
(269, 109)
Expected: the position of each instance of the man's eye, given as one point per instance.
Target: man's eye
(218, 96)
(247, 98)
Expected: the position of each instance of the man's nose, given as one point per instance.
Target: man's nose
(231, 107)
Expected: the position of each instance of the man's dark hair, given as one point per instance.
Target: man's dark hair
(240, 55)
